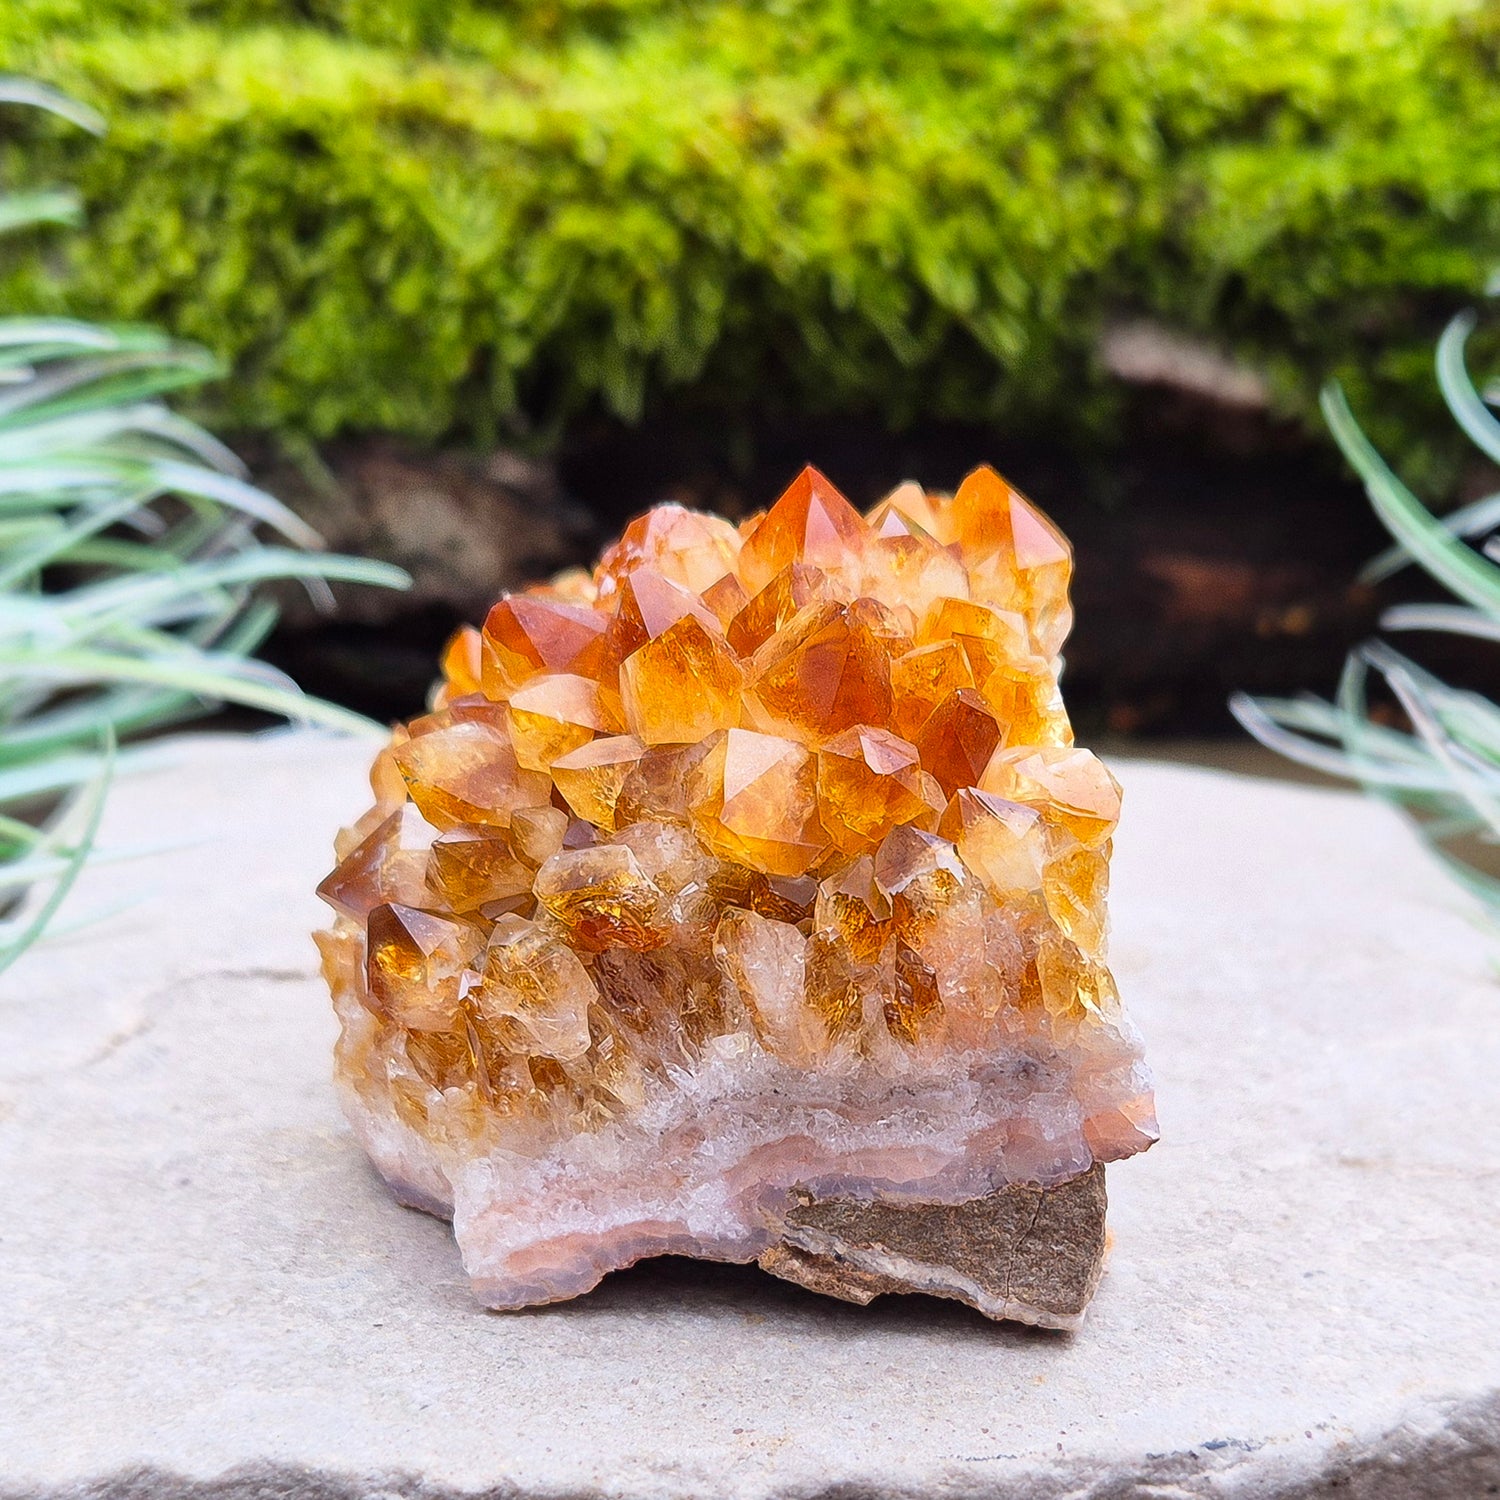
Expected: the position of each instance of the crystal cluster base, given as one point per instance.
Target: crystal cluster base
(745, 899)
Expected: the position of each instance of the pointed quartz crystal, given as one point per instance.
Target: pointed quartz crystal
(681, 686)
(467, 772)
(685, 546)
(554, 714)
(1018, 553)
(754, 798)
(811, 523)
(824, 671)
(592, 777)
(416, 965)
(526, 634)
(958, 739)
(869, 781)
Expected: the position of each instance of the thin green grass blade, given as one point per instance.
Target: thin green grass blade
(1449, 561)
(1463, 400)
(1482, 516)
(22, 210)
(34, 95)
(1453, 619)
(227, 680)
(93, 815)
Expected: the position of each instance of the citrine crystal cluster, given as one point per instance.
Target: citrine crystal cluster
(745, 899)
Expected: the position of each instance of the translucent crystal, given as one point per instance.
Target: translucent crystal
(823, 671)
(682, 685)
(528, 633)
(757, 864)
(754, 801)
(467, 772)
(870, 780)
(602, 898)
(591, 777)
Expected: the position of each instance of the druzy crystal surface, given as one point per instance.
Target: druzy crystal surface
(745, 899)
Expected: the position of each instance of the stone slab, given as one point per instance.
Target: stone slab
(204, 1290)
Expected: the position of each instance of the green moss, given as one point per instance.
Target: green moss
(439, 218)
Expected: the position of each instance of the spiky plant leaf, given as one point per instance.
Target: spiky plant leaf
(1444, 770)
(130, 551)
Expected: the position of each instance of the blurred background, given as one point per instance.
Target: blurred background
(487, 278)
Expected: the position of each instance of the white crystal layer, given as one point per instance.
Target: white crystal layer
(706, 1165)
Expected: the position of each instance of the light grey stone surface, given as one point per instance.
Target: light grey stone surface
(202, 1285)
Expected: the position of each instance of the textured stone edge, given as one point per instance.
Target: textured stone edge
(1027, 1253)
(1447, 1450)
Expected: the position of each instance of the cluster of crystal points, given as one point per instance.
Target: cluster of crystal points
(759, 861)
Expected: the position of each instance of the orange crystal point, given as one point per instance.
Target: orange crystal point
(854, 910)
(592, 777)
(1003, 843)
(914, 1003)
(681, 686)
(754, 801)
(649, 604)
(922, 678)
(685, 546)
(869, 781)
(463, 662)
(603, 898)
(468, 868)
(416, 964)
(1017, 553)
(794, 587)
(467, 772)
(759, 858)
(1073, 787)
(826, 670)
(810, 523)
(534, 990)
(557, 713)
(376, 870)
(958, 739)
(527, 633)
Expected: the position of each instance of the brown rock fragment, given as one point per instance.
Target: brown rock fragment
(1026, 1252)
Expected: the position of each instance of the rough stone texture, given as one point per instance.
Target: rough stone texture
(462, 526)
(1025, 1252)
(205, 1291)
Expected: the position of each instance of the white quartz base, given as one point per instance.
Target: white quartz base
(201, 1278)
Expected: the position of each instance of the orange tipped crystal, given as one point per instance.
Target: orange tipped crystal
(824, 671)
(591, 777)
(684, 546)
(467, 772)
(958, 739)
(468, 868)
(760, 857)
(792, 589)
(1072, 787)
(1019, 556)
(869, 781)
(554, 714)
(681, 686)
(415, 966)
(754, 801)
(811, 523)
(527, 633)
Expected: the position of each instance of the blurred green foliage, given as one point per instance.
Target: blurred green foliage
(453, 216)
